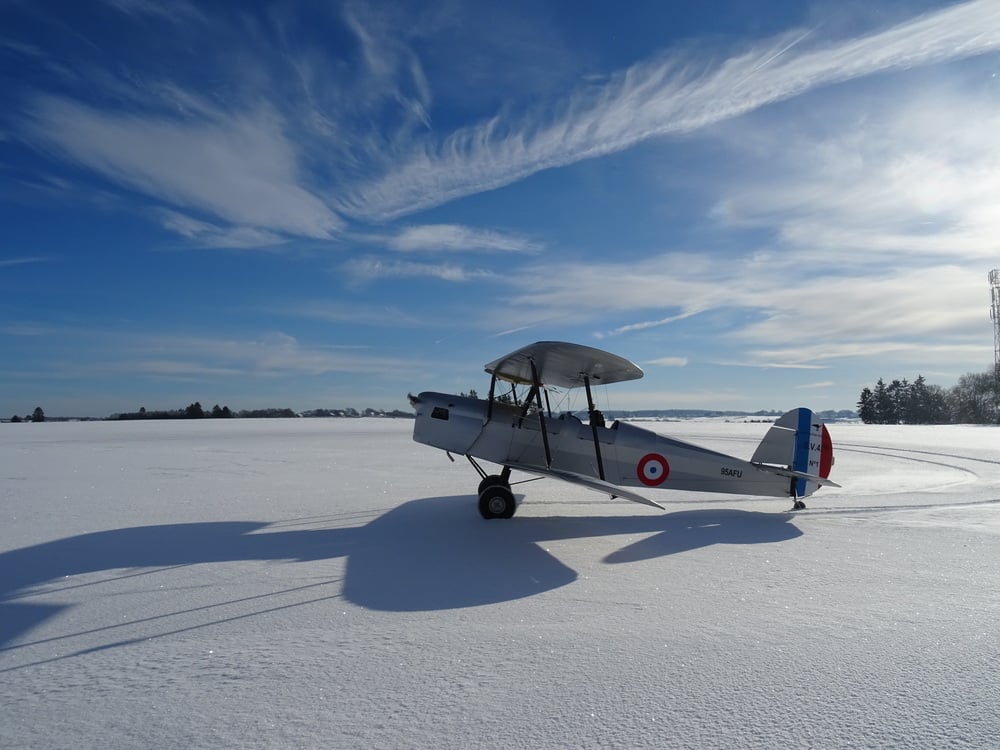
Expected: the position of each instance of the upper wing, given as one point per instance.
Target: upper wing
(591, 483)
(563, 365)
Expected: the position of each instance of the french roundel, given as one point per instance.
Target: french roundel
(653, 469)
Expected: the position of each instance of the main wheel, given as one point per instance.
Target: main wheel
(491, 481)
(497, 501)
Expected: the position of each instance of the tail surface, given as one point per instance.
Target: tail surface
(798, 446)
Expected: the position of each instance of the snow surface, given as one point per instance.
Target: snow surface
(330, 584)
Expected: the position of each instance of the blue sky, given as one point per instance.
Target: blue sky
(328, 204)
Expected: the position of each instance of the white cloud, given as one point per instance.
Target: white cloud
(453, 237)
(27, 329)
(178, 368)
(387, 316)
(207, 234)
(369, 269)
(912, 177)
(87, 353)
(27, 260)
(669, 361)
(758, 361)
(770, 314)
(245, 166)
(391, 71)
(660, 98)
(886, 350)
(165, 11)
(696, 398)
(269, 355)
(909, 302)
(643, 325)
(820, 385)
(239, 168)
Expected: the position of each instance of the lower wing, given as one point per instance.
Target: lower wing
(591, 483)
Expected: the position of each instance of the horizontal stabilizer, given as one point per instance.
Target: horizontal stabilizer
(781, 471)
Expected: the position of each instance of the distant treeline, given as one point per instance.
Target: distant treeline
(764, 415)
(37, 416)
(975, 399)
(196, 411)
(193, 411)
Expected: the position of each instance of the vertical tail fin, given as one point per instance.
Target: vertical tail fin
(799, 442)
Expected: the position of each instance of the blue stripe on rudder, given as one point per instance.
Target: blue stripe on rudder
(800, 462)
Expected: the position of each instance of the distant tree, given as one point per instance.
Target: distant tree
(914, 405)
(266, 413)
(15, 418)
(973, 399)
(996, 393)
(899, 395)
(38, 415)
(866, 406)
(142, 411)
(903, 402)
(194, 411)
(398, 413)
(885, 411)
(926, 403)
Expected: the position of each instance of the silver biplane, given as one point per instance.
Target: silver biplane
(518, 430)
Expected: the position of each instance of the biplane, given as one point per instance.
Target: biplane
(515, 428)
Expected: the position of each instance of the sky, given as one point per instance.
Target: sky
(331, 204)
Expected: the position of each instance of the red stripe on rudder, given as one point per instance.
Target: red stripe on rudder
(826, 454)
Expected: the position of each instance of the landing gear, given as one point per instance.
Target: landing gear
(495, 498)
(799, 505)
(496, 501)
(491, 480)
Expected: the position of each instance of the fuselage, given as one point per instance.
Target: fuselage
(626, 455)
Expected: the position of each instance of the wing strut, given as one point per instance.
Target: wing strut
(489, 402)
(541, 414)
(593, 427)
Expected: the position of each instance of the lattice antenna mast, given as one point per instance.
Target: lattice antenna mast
(995, 314)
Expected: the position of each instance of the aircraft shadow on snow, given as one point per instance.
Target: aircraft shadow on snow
(428, 554)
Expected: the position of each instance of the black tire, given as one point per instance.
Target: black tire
(497, 501)
(491, 481)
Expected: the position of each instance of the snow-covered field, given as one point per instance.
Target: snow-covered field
(330, 584)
